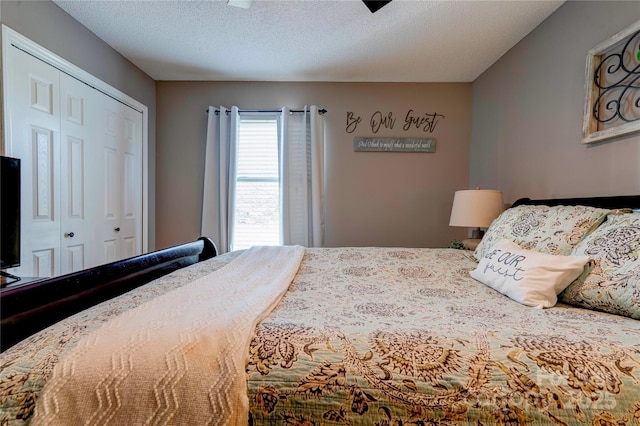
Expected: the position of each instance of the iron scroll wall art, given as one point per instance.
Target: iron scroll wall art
(363, 144)
(612, 92)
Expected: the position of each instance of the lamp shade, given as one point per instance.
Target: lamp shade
(475, 208)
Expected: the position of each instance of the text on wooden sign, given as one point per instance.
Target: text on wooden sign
(361, 144)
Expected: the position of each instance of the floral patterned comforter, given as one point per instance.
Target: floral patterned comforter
(376, 336)
(393, 336)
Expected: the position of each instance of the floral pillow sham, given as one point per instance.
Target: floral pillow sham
(552, 230)
(611, 280)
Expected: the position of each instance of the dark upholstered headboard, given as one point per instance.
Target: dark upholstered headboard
(26, 309)
(613, 202)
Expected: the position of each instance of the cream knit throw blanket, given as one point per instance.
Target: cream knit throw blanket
(179, 359)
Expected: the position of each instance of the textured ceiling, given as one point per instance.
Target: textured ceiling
(311, 40)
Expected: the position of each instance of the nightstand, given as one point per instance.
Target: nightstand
(471, 243)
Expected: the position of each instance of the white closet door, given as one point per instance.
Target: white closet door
(82, 161)
(34, 97)
(77, 147)
(119, 223)
(131, 207)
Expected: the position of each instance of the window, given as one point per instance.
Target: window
(257, 204)
(264, 177)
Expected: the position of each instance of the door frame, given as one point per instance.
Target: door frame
(12, 39)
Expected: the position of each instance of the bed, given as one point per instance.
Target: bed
(361, 335)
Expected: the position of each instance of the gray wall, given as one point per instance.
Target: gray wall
(527, 112)
(46, 24)
(372, 199)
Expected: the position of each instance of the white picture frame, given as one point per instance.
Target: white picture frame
(606, 117)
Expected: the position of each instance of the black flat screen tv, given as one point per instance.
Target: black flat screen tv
(9, 212)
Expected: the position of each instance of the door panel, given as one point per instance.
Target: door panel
(108, 204)
(109, 251)
(75, 166)
(74, 256)
(35, 138)
(43, 262)
(43, 174)
(121, 221)
(75, 177)
(131, 223)
(42, 93)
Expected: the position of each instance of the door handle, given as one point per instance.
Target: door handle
(69, 234)
(117, 229)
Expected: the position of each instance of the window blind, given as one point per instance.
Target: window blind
(257, 218)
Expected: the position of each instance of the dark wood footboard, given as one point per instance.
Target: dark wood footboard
(26, 309)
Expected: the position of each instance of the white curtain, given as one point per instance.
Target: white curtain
(220, 176)
(301, 140)
(302, 177)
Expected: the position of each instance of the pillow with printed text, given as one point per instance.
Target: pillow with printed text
(526, 276)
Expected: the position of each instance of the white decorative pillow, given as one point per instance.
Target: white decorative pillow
(526, 276)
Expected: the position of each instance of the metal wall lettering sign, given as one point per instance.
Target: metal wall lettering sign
(361, 144)
(612, 92)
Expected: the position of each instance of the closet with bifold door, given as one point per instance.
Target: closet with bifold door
(82, 167)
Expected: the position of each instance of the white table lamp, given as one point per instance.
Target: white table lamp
(475, 208)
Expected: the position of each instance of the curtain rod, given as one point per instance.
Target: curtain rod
(291, 111)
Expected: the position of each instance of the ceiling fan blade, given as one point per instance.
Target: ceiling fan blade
(375, 5)
(244, 4)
